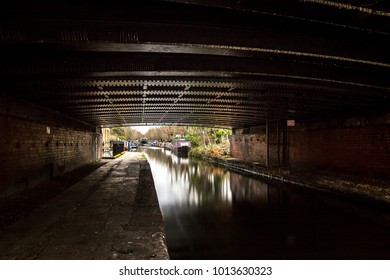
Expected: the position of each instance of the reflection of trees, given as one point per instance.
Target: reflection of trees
(177, 167)
(248, 192)
(205, 183)
(246, 188)
(208, 184)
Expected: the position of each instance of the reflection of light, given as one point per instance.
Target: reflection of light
(247, 189)
(179, 160)
(175, 160)
(182, 183)
(226, 192)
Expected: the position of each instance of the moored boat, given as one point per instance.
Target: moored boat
(181, 147)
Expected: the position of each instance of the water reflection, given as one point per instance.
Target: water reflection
(185, 183)
(247, 190)
(211, 213)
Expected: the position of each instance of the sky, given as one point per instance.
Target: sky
(143, 129)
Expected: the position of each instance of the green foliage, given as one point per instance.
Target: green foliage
(118, 132)
(194, 134)
(221, 134)
(211, 151)
(205, 141)
(176, 137)
(209, 142)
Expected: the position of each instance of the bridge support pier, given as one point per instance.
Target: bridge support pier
(265, 145)
(355, 145)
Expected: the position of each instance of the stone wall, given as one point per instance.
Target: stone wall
(37, 144)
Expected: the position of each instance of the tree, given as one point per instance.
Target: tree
(195, 135)
(131, 134)
(154, 134)
(168, 132)
(118, 132)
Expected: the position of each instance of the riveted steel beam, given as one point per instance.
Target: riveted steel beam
(227, 63)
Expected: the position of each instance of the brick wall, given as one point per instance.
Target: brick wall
(37, 144)
(359, 145)
(249, 145)
(354, 145)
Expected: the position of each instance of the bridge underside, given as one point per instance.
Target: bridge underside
(69, 69)
(232, 64)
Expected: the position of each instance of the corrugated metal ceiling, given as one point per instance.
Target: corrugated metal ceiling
(171, 63)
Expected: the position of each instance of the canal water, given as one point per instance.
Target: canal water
(212, 213)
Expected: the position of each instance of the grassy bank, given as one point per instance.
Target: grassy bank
(217, 151)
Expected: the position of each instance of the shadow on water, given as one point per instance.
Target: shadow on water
(212, 213)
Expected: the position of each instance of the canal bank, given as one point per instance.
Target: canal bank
(113, 213)
(361, 188)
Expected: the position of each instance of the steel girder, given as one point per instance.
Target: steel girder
(198, 62)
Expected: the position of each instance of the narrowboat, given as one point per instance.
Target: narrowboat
(181, 147)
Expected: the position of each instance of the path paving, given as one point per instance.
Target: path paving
(113, 213)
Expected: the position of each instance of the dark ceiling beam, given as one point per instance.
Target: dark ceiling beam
(228, 63)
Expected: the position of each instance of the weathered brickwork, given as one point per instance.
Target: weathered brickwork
(250, 147)
(361, 150)
(37, 144)
(352, 145)
(251, 144)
